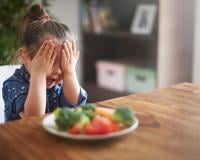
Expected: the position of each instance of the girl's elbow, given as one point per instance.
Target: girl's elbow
(31, 113)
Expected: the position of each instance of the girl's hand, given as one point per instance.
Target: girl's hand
(44, 59)
(69, 57)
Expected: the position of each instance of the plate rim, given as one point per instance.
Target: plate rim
(51, 129)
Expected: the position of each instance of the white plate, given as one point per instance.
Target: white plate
(50, 126)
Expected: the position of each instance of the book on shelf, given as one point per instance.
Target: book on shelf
(85, 20)
(95, 17)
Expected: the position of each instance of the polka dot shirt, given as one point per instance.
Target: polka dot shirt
(15, 90)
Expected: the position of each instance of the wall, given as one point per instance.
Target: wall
(175, 51)
(67, 11)
(196, 67)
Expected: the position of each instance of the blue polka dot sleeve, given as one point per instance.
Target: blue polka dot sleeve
(81, 101)
(14, 95)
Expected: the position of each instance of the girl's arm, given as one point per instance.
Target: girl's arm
(41, 65)
(68, 63)
(71, 88)
(35, 103)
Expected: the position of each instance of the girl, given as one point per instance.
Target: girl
(47, 78)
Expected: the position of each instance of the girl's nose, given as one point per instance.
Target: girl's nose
(56, 77)
(57, 71)
(57, 74)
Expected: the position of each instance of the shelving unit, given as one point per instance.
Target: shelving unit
(140, 50)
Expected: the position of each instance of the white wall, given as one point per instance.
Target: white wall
(67, 11)
(196, 64)
(175, 51)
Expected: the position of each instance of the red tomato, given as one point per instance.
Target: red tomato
(115, 126)
(99, 125)
(75, 129)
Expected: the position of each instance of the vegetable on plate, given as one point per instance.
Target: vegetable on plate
(92, 120)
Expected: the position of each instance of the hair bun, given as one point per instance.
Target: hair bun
(36, 12)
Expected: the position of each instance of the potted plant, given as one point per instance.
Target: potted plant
(11, 13)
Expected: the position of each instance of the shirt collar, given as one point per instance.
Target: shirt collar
(23, 72)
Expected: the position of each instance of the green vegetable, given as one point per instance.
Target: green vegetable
(66, 117)
(89, 107)
(76, 116)
(124, 115)
(83, 120)
(62, 118)
(89, 110)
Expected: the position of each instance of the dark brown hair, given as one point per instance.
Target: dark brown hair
(37, 23)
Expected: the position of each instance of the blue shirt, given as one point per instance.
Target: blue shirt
(15, 90)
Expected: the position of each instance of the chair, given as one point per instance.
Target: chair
(5, 72)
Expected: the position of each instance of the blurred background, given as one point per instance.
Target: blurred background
(127, 46)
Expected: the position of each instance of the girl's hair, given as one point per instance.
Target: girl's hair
(38, 23)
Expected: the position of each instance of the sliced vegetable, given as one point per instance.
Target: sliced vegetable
(79, 125)
(107, 112)
(93, 120)
(83, 120)
(99, 125)
(76, 129)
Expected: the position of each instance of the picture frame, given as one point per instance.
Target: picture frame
(144, 18)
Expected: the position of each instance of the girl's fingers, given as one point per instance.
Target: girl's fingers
(46, 49)
(74, 47)
(41, 48)
(67, 52)
(64, 56)
(51, 51)
(69, 46)
(53, 57)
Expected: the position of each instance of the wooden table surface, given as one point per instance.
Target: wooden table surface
(169, 129)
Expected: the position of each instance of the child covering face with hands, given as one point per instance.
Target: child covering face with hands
(47, 79)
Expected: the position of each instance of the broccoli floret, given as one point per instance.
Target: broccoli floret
(89, 110)
(62, 118)
(62, 123)
(89, 107)
(89, 114)
(76, 115)
(124, 115)
(66, 117)
(57, 111)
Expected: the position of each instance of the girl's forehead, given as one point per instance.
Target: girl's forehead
(57, 43)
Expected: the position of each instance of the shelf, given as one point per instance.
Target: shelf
(116, 43)
(96, 93)
(121, 34)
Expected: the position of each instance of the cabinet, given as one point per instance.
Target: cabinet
(117, 43)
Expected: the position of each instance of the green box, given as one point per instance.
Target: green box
(140, 79)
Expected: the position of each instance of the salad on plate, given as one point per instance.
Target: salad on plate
(91, 121)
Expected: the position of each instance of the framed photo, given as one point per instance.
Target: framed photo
(144, 19)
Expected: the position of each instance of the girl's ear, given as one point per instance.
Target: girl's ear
(25, 56)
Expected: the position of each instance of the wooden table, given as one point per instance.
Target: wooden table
(169, 129)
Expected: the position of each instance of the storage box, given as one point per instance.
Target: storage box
(111, 75)
(140, 79)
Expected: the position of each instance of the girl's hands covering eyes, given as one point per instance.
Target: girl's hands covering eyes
(44, 59)
(69, 57)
